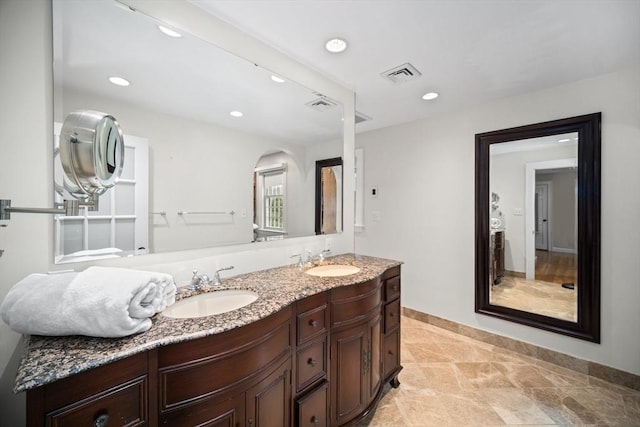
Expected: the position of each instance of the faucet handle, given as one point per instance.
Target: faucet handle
(322, 254)
(216, 278)
(194, 285)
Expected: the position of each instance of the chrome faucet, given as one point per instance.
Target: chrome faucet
(217, 281)
(315, 260)
(299, 264)
(198, 280)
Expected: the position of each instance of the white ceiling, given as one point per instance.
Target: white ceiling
(470, 51)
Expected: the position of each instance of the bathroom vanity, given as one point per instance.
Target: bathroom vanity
(311, 351)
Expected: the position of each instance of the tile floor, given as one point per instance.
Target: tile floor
(452, 380)
(536, 296)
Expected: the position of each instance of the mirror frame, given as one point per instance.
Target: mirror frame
(588, 127)
(336, 161)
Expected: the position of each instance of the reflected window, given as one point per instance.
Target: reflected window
(271, 188)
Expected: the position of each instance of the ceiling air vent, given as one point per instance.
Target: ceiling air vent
(321, 104)
(361, 117)
(402, 73)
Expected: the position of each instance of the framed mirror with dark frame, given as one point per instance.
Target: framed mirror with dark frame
(509, 226)
(328, 205)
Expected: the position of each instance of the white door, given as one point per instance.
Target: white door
(542, 216)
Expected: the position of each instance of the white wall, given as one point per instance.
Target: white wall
(426, 206)
(26, 173)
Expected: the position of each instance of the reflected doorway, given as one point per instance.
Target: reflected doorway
(539, 249)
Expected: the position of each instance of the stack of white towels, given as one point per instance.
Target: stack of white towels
(98, 302)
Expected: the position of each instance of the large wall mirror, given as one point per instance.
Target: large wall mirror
(199, 125)
(538, 225)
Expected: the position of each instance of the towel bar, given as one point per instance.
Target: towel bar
(206, 213)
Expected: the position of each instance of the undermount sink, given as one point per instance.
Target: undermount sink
(210, 303)
(333, 270)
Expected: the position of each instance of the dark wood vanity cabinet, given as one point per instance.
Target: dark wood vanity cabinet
(318, 362)
(355, 349)
(391, 332)
(115, 394)
(497, 257)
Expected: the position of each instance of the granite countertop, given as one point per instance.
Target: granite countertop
(48, 359)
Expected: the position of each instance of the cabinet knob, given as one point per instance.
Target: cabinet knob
(313, 323)
(312, 361)
(250, 422)
(101, 420)
(315, 420)
(391, 314)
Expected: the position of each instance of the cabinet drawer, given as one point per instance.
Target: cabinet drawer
(312, 322)
(391, 316)
(197, 379)
(123, 405)
(352, 304)
(391, 353)
(222, 413)
(311, 364)
(392, 288)
(312, 409)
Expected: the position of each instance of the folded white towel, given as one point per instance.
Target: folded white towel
(99, 302)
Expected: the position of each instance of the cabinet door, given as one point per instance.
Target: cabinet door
(269, 401)
(349, 359)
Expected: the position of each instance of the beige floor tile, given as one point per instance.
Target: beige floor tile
(514, 407)
(524, 376)
(451, 380)
(484, 375)
(428, 352)
(445, 377)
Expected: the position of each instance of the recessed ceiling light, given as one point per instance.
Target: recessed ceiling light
(565, 140)
(169, 31)
(119, 81)
(336, 45)
(236, 113)
(277, 79)
(430, 95)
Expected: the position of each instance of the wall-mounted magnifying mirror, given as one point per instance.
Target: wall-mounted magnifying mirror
(538, 225)
(91, 153)
(329, 196)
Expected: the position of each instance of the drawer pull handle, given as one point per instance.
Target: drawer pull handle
(315, 420)
(101, 420)
(313, 323)
(312, 361)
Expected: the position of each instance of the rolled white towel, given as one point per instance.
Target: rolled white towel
(100, 302)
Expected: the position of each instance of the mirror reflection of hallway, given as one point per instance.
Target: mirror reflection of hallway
(329, 201)
(540, 237)
(328, 196)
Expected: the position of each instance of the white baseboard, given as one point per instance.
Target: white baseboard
(564, 250)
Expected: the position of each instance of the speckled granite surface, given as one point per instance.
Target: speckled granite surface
(47, 359)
